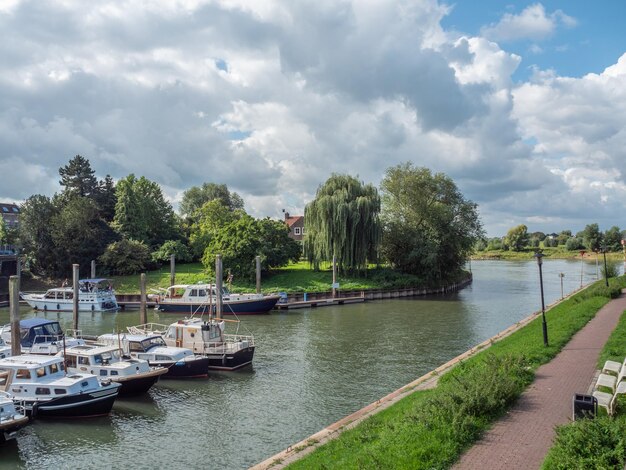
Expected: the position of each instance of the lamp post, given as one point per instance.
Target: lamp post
(606, 272)
(582, 255)
(544, 325)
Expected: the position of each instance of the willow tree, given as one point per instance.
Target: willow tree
(342, 221)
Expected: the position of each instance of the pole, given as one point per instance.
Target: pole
(172, 270)
(14, 300)
(561, 275)
(258, 274)
(544, 324)
(75, 276)
(606, 272)
(18, 270)
(334, 276)
(218, 286)
(597, 268)
(582, 255)
(93, 269)
(143, 313)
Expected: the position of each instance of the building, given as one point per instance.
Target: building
(10, 213)
(296, 226)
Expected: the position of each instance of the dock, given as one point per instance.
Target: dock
(319, 303)
(134, 305)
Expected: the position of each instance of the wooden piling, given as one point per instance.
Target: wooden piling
(93, 269)
(258, 274)
(75, 276)
(143, 313)
(218, 286)
(334, 276)
(14, 299)
(172, 270)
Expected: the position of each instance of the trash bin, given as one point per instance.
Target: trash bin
(584, 406)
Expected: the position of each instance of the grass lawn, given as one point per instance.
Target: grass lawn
(431, 429)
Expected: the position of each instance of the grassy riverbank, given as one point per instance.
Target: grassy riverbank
(549, 252)
(430, 429)
(296, 277)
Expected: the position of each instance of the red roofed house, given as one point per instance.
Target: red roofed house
(296, 226)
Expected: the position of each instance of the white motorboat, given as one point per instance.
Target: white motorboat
(39, 336)
(41, 383)
(225, 351)
(135, 375)
(94, 295)
(12, 417)
(180, 362)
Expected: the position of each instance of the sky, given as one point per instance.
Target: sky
(522, 104)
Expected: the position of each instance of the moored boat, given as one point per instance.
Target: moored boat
(39, 336)
(207, 337)
(41, 383)
(94, 295)
(135, 375)
(179, 362)
(12, 417)
(197, 298)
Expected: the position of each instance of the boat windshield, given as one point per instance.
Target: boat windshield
(152, 342)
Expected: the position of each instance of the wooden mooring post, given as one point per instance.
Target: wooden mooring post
(143, 311)
(14, 300)
(93, 269)
(218, 286)
(75, 276)
(172, 270)
(258, 274)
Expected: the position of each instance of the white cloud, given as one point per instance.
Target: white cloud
(532, 23)
(272, 97)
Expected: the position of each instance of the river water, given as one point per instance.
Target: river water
(312, 367)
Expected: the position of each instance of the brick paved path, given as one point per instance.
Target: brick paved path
(522, 438)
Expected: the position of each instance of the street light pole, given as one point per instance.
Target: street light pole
(606, 272)
(544, 325)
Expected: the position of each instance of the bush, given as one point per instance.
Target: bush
(126, 257)
(573, 243)
(612, 269)
(169, 248)
(589, 443)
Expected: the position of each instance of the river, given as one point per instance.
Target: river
(311, 368)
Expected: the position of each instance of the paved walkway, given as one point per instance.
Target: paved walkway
(521, 439)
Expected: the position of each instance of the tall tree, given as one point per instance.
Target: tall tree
(78, 178)
(517, 238)
(106, 199)
(343, 221)
(429, 227)
(209, 220)
(37, 214)
(613, 239)
(142, 213)
(194, 198)
(592, 237)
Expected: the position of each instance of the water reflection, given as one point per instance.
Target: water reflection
(311, 368)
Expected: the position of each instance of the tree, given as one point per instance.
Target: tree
(142, 213)
(564, 236)
(3, 232)
(78, 178)
(517, 238)
(613, 239)
(37, 214)
(106, 199)
(126, 257)
(343, 221)
(209, 219)
(79, 234)
(573, 243)
(241, 240)
(169, 248)
(494, 244)
(429, 227)
(194, 198)
(592, 237)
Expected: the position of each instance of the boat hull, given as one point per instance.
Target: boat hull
(65, 306)
(231, 361)
(137, 385)
(8, 429)
(89, 404)
(198, 367)
(240, 307)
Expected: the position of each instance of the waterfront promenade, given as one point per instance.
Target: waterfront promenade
(521, 439)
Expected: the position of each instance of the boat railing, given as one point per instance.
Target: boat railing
(230, 345)
(147, 328)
